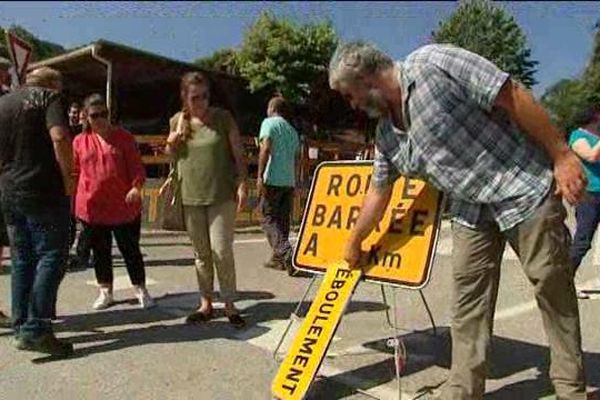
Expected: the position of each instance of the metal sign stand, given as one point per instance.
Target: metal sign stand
(400, 354)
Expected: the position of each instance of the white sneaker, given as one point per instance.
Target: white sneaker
(104, 300)
(144, 299)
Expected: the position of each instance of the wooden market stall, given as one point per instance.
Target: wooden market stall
(142, 91)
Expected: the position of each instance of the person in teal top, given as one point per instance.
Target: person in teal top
(277, 164)
(585, 141)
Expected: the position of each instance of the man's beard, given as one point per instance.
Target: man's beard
(375, 106)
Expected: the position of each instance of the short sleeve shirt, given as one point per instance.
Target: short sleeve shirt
(459, 141)
(281, 166)
(592, 169)
(29, 167)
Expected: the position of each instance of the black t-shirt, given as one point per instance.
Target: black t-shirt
(29, 170)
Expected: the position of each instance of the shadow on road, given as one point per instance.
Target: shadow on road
(174, 307)
(508, 357)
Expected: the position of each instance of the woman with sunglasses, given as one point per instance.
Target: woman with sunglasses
(205, 143)
(108, 199)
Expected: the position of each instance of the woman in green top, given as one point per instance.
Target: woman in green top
(205, 143)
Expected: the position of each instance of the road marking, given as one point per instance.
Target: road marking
(523, 308)
(257, 240)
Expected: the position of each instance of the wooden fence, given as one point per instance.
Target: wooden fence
(157, 165)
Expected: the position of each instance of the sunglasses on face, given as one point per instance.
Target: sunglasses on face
(101, 114)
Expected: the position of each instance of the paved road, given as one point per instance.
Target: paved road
(126, 353)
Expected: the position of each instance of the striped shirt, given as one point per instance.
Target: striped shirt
(457, 140)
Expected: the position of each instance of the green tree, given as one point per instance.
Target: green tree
(41, 49)
(279, 55)
(567, 98)
(488, 30)
(564, 100)
(223, 60)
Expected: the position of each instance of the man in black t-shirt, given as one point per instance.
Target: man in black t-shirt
(36, 182)
(82, 259)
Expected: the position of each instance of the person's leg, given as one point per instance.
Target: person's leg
(221, 219)
(101, 244)
(196, 222)
(542, 243)
(476, 257)
(84, 247)
(23, 263)
(127, 237)
(5, 321)
(39, 239)
(587, 215)
(269, 205)
(284, 221)
(50, 235)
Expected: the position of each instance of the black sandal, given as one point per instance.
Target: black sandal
(236, 320)
(198, 317)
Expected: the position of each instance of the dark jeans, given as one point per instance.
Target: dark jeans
(276, 208)
(39, 236)
(587, 214)
(84, 246)
(127, 237)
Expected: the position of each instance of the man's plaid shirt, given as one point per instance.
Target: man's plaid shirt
(457, 140)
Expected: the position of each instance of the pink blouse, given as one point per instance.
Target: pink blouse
(106, 170)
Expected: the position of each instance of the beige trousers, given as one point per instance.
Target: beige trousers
(542, 245)
(211, 230)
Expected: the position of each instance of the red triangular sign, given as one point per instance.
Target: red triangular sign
(20, 53)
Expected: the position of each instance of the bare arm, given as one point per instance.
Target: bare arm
(373, 207)
(63, 152)
(263, 157)
(533, 120)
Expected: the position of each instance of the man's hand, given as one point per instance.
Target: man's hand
(570, 178)
(133, 196)
(353, 254)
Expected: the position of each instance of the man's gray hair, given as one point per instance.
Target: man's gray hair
(355, 60)
(45, 77)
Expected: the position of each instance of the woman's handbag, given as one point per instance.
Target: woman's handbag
(169, 195)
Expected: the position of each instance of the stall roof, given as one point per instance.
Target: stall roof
(129, 65)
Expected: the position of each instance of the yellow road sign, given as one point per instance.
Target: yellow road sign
(306, 353)
(400, 250)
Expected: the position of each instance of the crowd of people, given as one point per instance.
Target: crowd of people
(445, 115)
(67, 168)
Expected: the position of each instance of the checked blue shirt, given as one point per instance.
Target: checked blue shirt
(457, 140)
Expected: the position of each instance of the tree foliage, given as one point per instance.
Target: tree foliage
(281, 56)
(488, 30)
(41, 49)
(223, 60)
(566, 99)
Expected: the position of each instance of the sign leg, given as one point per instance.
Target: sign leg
(294, 315)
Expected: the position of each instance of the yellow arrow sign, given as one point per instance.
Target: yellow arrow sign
(306, 353)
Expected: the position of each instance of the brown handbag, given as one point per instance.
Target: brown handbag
(169, 197)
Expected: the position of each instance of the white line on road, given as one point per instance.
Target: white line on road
(523, 308)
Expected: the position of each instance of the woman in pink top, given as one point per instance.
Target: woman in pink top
(110, 177)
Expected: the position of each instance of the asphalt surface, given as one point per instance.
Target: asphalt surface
(127, 353)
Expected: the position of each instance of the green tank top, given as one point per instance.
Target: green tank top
(205, 164)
